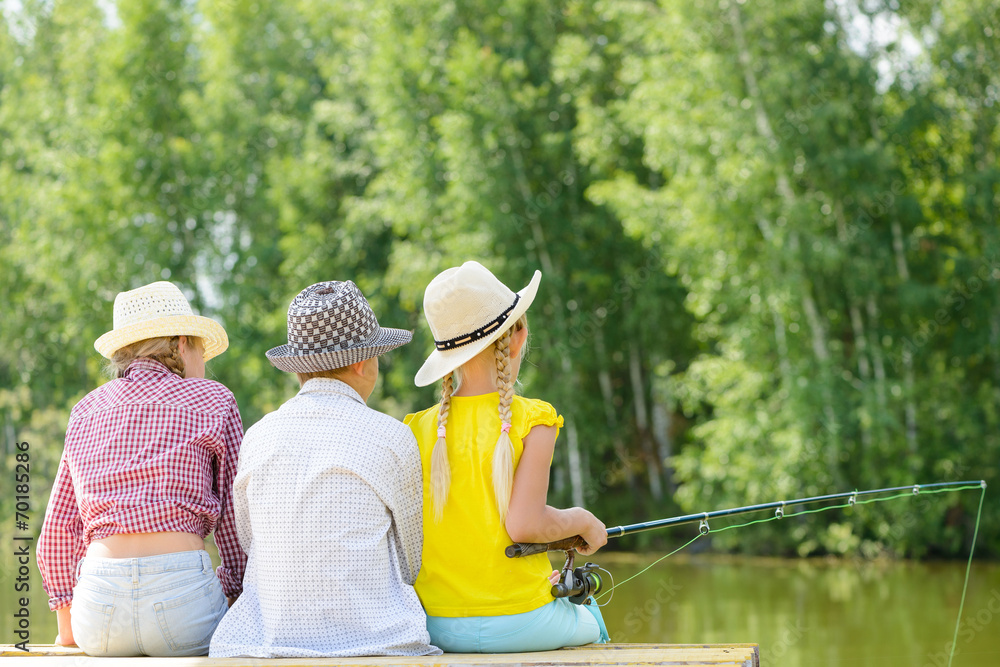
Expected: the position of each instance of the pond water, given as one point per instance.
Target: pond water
(802, 612)
(812, 612)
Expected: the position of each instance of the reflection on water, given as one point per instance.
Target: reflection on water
(801, 612)
(812, 612)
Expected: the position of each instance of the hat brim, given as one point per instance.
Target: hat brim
(285, 358)
(442, 362)
(211, 333)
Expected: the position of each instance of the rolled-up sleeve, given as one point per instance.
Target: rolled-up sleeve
(234, 560)
(60, 544)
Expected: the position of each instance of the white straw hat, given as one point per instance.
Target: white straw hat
(467, 309)
(331, 325)
(159, 309)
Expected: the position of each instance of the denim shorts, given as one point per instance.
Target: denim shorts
(554, 625)
(166, 605)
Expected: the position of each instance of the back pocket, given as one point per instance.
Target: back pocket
(91, 622)
(188, 621)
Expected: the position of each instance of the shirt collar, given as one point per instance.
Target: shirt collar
(144, 367)
(330, 386)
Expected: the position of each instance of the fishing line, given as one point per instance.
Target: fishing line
(612, 578)
(613, 585)
(705, 529)
(968, 568)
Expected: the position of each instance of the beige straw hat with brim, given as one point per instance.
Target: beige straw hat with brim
(155, 310)
(467, 308)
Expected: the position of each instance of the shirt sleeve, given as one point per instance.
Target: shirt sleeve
(540, 413)
(408, 513)
(60, 544)
(234, 560)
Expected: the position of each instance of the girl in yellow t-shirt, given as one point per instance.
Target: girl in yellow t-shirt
(485, 454)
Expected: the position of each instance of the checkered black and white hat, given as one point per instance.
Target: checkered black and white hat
(331, 325)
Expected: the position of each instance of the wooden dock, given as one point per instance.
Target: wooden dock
(713, 655)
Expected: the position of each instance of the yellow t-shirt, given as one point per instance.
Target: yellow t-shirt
(464, 571)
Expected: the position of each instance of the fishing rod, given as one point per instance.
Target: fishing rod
(580, 583)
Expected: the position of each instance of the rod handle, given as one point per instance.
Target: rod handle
(520, 549)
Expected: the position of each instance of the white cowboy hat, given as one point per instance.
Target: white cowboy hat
(467, 309)
(331, 325)
(159, 309)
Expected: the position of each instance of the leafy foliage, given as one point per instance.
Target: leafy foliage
(767, 232)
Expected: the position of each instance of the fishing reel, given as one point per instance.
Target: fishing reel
(577, 583)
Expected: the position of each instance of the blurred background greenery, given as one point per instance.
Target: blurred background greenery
(768, 231)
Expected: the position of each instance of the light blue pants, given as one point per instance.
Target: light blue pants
(164, 605)
(554, 625)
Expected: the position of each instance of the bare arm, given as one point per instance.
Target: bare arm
(65, 636)
(529, 518)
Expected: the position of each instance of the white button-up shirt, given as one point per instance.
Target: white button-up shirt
(328, 501)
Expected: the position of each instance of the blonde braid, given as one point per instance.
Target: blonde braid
(503, 453)
(173, 360)
(440, 469)
(162, 349)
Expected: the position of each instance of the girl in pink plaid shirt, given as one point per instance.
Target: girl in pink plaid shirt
(146, 474)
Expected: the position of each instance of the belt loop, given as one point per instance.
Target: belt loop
(135, 571)
(79, 566)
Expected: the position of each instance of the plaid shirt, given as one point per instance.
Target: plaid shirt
(150, 452)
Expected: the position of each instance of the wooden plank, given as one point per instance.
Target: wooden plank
(592, 655)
